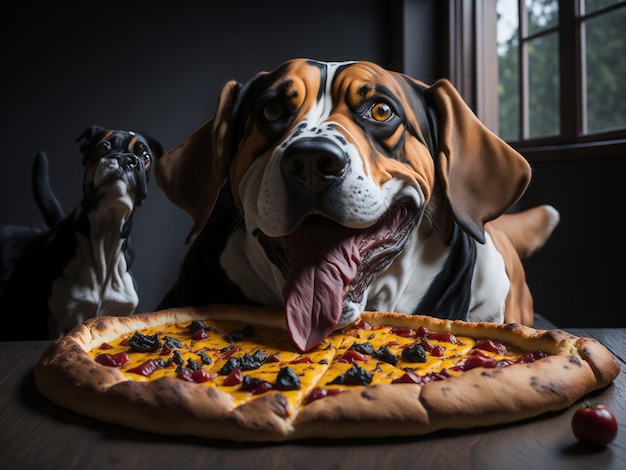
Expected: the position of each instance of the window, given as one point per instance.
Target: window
(561, 71)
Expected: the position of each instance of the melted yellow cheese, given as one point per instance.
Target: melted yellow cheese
(314, 369)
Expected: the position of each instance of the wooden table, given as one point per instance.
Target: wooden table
(37, 434)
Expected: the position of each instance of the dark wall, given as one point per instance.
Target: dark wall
(157, 67)
(578, 279)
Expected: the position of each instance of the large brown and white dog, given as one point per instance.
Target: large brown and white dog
(333, 188)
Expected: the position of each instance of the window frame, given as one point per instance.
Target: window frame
(474, 62)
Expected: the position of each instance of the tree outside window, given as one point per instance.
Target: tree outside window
(561, 69)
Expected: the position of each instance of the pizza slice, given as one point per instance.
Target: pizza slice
(232, 372)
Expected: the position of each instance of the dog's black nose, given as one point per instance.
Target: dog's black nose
(127, 161)
(310, 165)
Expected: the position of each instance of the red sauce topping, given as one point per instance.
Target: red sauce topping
(234, 378)
(319, 392)
(351, 356)
(493, 346)
(197, 376)
(113, 360)
(302, 360)
(147, 368)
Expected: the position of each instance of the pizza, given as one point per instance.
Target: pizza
(232, 372)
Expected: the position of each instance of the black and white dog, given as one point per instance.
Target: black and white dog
(78, 267)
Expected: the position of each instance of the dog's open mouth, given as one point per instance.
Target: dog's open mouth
(327, 265)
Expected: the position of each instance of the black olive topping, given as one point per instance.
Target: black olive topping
(354, 376)
(363, 348)
(193, 365)
(383, 353)
(176, 358)
(287, 380)
(205, 358)
(245, 362)
(237, 335)
(144, 343)
(196, 326)
(250, 383)
(414, 353)
(171, 343)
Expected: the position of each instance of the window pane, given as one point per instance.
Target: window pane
(591, 5)
(541, 14)
(508, 70)
(606, 68)
(543, 84)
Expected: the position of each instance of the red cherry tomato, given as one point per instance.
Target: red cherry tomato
(594, 425)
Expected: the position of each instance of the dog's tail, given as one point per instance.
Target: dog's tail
(47, 202)
(528, 230)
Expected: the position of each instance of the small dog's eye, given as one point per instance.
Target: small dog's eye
(272, 112)
(103, 148)
(142, 152)
(147, 159)
(381, 112)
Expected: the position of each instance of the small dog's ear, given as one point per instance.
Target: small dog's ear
(192, 173)
(481, 174)
(88, 134)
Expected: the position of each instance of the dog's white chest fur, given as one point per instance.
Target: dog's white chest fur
(254, 273)
(399, 288)
(406, 281)
(95, 282)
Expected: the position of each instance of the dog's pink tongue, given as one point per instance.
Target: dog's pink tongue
(324, 258)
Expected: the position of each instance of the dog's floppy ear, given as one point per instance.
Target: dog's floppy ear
(481, 174)
(86, 137)
(192, 173)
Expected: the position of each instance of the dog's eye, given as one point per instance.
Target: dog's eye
(147, 159)
(272, 111)
(381, 112)
(142, 152)
(103, 148)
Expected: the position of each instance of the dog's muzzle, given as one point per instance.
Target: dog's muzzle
(125, 167)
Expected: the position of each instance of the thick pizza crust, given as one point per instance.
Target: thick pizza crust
(68, 376)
